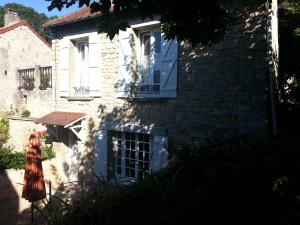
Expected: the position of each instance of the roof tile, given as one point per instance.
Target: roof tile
(60, 118)
(72, 17)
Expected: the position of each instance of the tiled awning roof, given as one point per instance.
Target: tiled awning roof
(61, 118)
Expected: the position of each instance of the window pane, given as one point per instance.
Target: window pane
(145, 56)
(140, 155)
(132, 145)
(146, 147)
(141, 146)
(127, 143)
(146, 157)
(133, 154)
(146, 43)
(141, 137)
(127, 155)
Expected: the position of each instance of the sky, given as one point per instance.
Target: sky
(41, 6)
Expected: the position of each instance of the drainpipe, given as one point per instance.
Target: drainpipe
(272, 59)
(55, 88)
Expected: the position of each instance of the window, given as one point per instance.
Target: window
(149, 62)
(79, 66)
(81, 81)
(130, 154)
(45, 77)
(26, 79)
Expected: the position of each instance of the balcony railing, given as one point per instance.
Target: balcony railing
(81, 90)
(26, 79)
(45, 77)
(35, 77)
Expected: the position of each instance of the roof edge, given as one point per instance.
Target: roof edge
(24, 23)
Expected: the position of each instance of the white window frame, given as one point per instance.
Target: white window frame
(102, 141)
(79, 88)
(67, 64)
(154, 63)
(123, 177)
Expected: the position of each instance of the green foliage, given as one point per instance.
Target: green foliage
(289, 50)
(15, 160)
(47, 152)
(233, 182)
(208, 19)
(25, 113)
(35, 19)
(8, 159)
(4, 132)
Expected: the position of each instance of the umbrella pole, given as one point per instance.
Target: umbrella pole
(31, 212)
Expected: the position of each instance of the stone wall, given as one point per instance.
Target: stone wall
(20, 48)
(20, 130)
(222, 90)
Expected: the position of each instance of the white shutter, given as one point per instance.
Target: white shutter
(125, 63)
(159, 155)
(94, 65)
(100, 150)
(168, 79)
(64, 67)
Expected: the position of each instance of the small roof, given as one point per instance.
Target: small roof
(61, 118)
(80, 14)
(23, 23)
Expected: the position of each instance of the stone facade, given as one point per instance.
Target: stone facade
(21, 48)
(222, 90)
(20, 130)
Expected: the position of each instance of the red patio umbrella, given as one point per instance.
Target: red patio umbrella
(34, 184)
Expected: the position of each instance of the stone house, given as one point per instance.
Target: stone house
(23, 54)
(120, 104)
(25, 74)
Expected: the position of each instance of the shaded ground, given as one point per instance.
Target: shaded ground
(15, 210)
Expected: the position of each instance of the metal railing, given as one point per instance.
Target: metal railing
(45, 77)
(26, 79)
(81, 90)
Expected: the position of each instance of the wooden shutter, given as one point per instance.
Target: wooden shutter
(168, 80)
(64, 67)
(125, 63)
(159, 155)
(100, 148)
(94, 65)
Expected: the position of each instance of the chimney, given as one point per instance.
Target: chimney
(10, 17)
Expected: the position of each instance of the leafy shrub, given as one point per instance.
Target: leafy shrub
(5, 150)
(236, 182)
(4, 132)
(25, 113)
(47, 152)
(16, 160)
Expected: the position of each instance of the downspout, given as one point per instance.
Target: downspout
(55, 89)
(271, 61)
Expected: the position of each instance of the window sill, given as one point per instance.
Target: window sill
(147, 99)
(80, 98)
